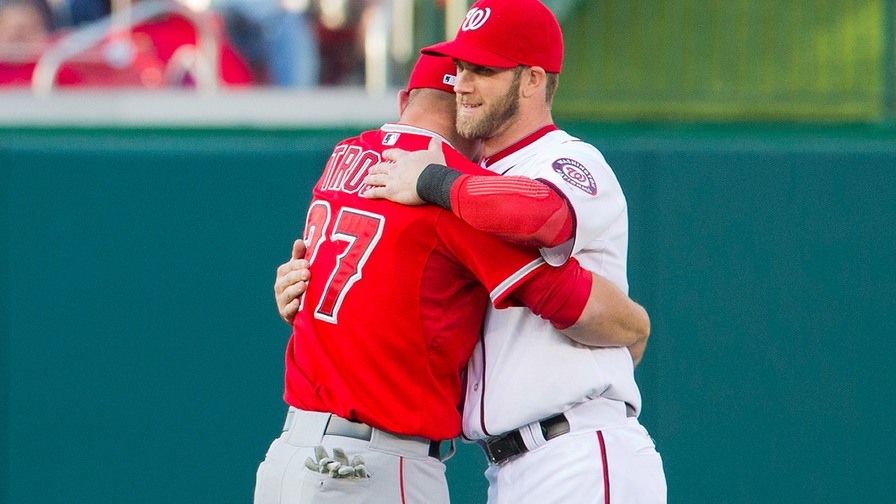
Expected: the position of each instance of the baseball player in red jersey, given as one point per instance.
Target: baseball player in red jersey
(373, 367)
(535, 400)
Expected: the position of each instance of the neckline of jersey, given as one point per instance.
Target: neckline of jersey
(407, 128)
(525, 142)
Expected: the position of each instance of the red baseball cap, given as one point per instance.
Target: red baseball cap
(505, 34)
(434, 72)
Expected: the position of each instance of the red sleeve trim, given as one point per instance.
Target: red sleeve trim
(557, 294)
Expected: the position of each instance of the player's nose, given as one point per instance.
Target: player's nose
(462, 82)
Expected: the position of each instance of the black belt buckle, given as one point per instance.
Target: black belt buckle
(555, 426)
(500, 448)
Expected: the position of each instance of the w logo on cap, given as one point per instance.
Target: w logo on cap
(475, 18)
(506, 34)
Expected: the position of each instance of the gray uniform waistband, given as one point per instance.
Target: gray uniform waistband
(307, 428)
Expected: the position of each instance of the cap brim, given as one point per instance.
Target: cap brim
(470, 53)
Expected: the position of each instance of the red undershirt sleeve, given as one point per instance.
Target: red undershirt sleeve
(517, 209)
(558, 295)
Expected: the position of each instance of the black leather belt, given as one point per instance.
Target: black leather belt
(500, 448)
(338, 426)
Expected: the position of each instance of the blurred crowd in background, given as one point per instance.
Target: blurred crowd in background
(158, 43)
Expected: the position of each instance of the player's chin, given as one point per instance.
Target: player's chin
(468, 125)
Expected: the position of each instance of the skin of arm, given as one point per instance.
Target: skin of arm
(586, 307)
(611, 313)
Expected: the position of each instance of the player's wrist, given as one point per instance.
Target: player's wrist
(434, 184)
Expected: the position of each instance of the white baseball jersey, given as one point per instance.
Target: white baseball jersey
(523, 370)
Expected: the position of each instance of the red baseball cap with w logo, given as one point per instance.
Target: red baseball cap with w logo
(505, 34)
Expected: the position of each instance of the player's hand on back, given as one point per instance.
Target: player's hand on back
(395, 179)
(292, 280)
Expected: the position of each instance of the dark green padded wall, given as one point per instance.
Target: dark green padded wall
(766, 259)
(142, 353)
(146, 359)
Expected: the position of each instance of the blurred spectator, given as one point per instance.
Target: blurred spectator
(160, 51)
(24, 25)
(174, 38)
(341, 30)
(25, 33)
(73, 13)
(277, 39)
(288, 43)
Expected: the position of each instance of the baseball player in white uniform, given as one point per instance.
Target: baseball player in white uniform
(516, 386)
(558, 421)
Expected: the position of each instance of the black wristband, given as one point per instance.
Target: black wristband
(434, 184)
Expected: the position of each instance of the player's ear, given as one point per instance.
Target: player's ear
(533, 81)
(403, 96)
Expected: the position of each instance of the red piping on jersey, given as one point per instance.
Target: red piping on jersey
(525, 142)
(482, 395)
(603, 458)
(401, 477)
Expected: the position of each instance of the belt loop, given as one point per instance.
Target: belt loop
(451, 451)
(452, 447)
(290, 416)
(307, 428)
(405, 446)
(533, 436)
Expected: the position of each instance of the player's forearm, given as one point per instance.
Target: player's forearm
(516, 209)
(586, 307)
(610, 319)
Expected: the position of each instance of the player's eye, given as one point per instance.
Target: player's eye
(484, 71)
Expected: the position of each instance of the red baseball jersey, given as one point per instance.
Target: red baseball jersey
(396, 300)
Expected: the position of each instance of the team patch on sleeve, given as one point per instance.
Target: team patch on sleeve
(575, 174)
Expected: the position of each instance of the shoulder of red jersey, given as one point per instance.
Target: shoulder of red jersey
(459, 162)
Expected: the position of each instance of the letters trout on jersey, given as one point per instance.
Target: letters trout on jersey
(346, 169)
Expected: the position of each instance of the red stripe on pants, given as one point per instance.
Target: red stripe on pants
(603, 458)
(401, 478)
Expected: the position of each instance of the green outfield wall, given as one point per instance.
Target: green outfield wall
(719, 60)
(712, 59)
(141, 355)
